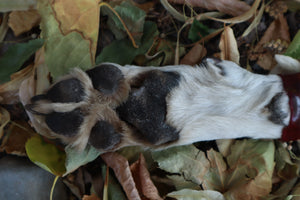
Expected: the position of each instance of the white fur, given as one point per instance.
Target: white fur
(207, 105)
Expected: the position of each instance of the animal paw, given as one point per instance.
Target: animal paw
(80, 108)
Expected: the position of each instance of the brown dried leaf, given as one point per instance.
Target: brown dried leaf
(9, 92)
(22, 21)
(90, 197)
(194, 56)
(228, 46)
(143, 181)
(277, 8)
(14, 143)
(231, 7)
(81, 16)
(278, 29)
(4, 120)
(120, 166)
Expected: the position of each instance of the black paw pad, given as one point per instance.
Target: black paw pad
(103, 136)
(146, 107)
(66, 91)
(105, 78)
(66, 123)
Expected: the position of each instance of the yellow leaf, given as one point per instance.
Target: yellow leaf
(81, 16)
(22, 21)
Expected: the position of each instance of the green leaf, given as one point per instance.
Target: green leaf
(62, 52)
(122, 51)
(187, 194)
(15, 57)
(75, 158)
(46, 155)
(294, 48)
(133, 17)
(198, 31)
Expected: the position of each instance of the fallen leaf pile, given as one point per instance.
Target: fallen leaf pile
(42, 40)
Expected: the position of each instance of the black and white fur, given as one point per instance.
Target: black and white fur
(113, 106)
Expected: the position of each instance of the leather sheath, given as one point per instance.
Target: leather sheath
(291, 84)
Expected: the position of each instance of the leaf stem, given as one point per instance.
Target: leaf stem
(124, 25)
(53, 186)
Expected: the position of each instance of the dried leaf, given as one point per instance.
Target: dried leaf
(194, 56)
(122, 171)
(46, 155)
(187, 194)
(285, 168)
(276, 8)
(114, 189)
(243, 17)
(224, 146)
(4, 119)
(253, 159)
(231, 7)
(143, 181)
(14, 142)
(80, 16)
(10, 91)
(22, 21)
(228, 46)
(4, 26)
(247, 173)
(278, 29)
(188, 161)
(90, 197)
(10, 5)
(15, 56)
(255, 21)
(63, 50)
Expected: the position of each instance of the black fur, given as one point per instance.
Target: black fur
(105, 78)
(103, 136)
(146, 107)
(66, 91)
(277, 115)
(67, 123)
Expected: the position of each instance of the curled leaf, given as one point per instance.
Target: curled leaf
(228, 46)
(244, 15)
(122, 171)
(142, 179)
(231, 7)
(194, 56)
